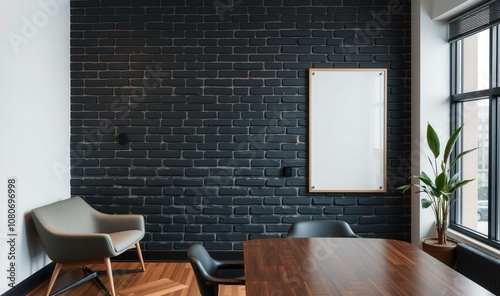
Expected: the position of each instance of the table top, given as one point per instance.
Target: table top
(348, 266)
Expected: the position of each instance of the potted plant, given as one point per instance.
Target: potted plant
(440, 187)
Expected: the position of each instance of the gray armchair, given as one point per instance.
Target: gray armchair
(74, 234)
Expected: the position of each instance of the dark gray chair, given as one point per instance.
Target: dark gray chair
(74, 234)
(208, 271)
(321, 228)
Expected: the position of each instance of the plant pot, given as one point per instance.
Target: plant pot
(444, 253)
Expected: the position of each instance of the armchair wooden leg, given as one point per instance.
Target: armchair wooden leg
(55, 273)
(139, 253)
(109, 272)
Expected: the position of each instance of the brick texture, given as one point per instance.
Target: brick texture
(186, 112)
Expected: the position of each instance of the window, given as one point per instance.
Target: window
(475, 95)
(474, 166)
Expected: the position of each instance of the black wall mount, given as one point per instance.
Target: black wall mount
(122, 139)
(287, 171)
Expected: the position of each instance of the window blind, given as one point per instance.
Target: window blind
(478, 19)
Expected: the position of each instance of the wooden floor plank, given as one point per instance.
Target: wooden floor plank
(157, 274)
(155, 288)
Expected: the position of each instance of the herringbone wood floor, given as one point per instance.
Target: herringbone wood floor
(156, 274)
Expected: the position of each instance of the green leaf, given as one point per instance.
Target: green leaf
(426, 203)
(450, 143)
(441, 181)
(433, 141)
(426, 179)
(454, 179)
(424, 189)
(459, 184)
(446, 195)
(460, 156)
(404, 188)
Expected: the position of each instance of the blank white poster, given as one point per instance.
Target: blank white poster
(347, 130)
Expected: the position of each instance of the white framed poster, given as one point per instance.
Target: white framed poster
(347, 130)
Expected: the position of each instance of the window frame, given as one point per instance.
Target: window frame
(493, 95)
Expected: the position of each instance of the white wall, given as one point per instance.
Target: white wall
(446, 9)
(430, 99)
(34, 125)
(430, 91)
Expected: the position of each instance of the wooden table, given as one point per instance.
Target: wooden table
(348, 266)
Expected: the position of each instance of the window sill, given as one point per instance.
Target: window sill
(474, 243)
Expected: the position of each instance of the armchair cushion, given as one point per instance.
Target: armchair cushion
(122, 240)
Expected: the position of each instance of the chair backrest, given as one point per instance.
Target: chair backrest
(321, 228)
(68, 216)
(204, 266)
(72, 215)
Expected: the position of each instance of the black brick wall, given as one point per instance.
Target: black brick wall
(210, 98)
